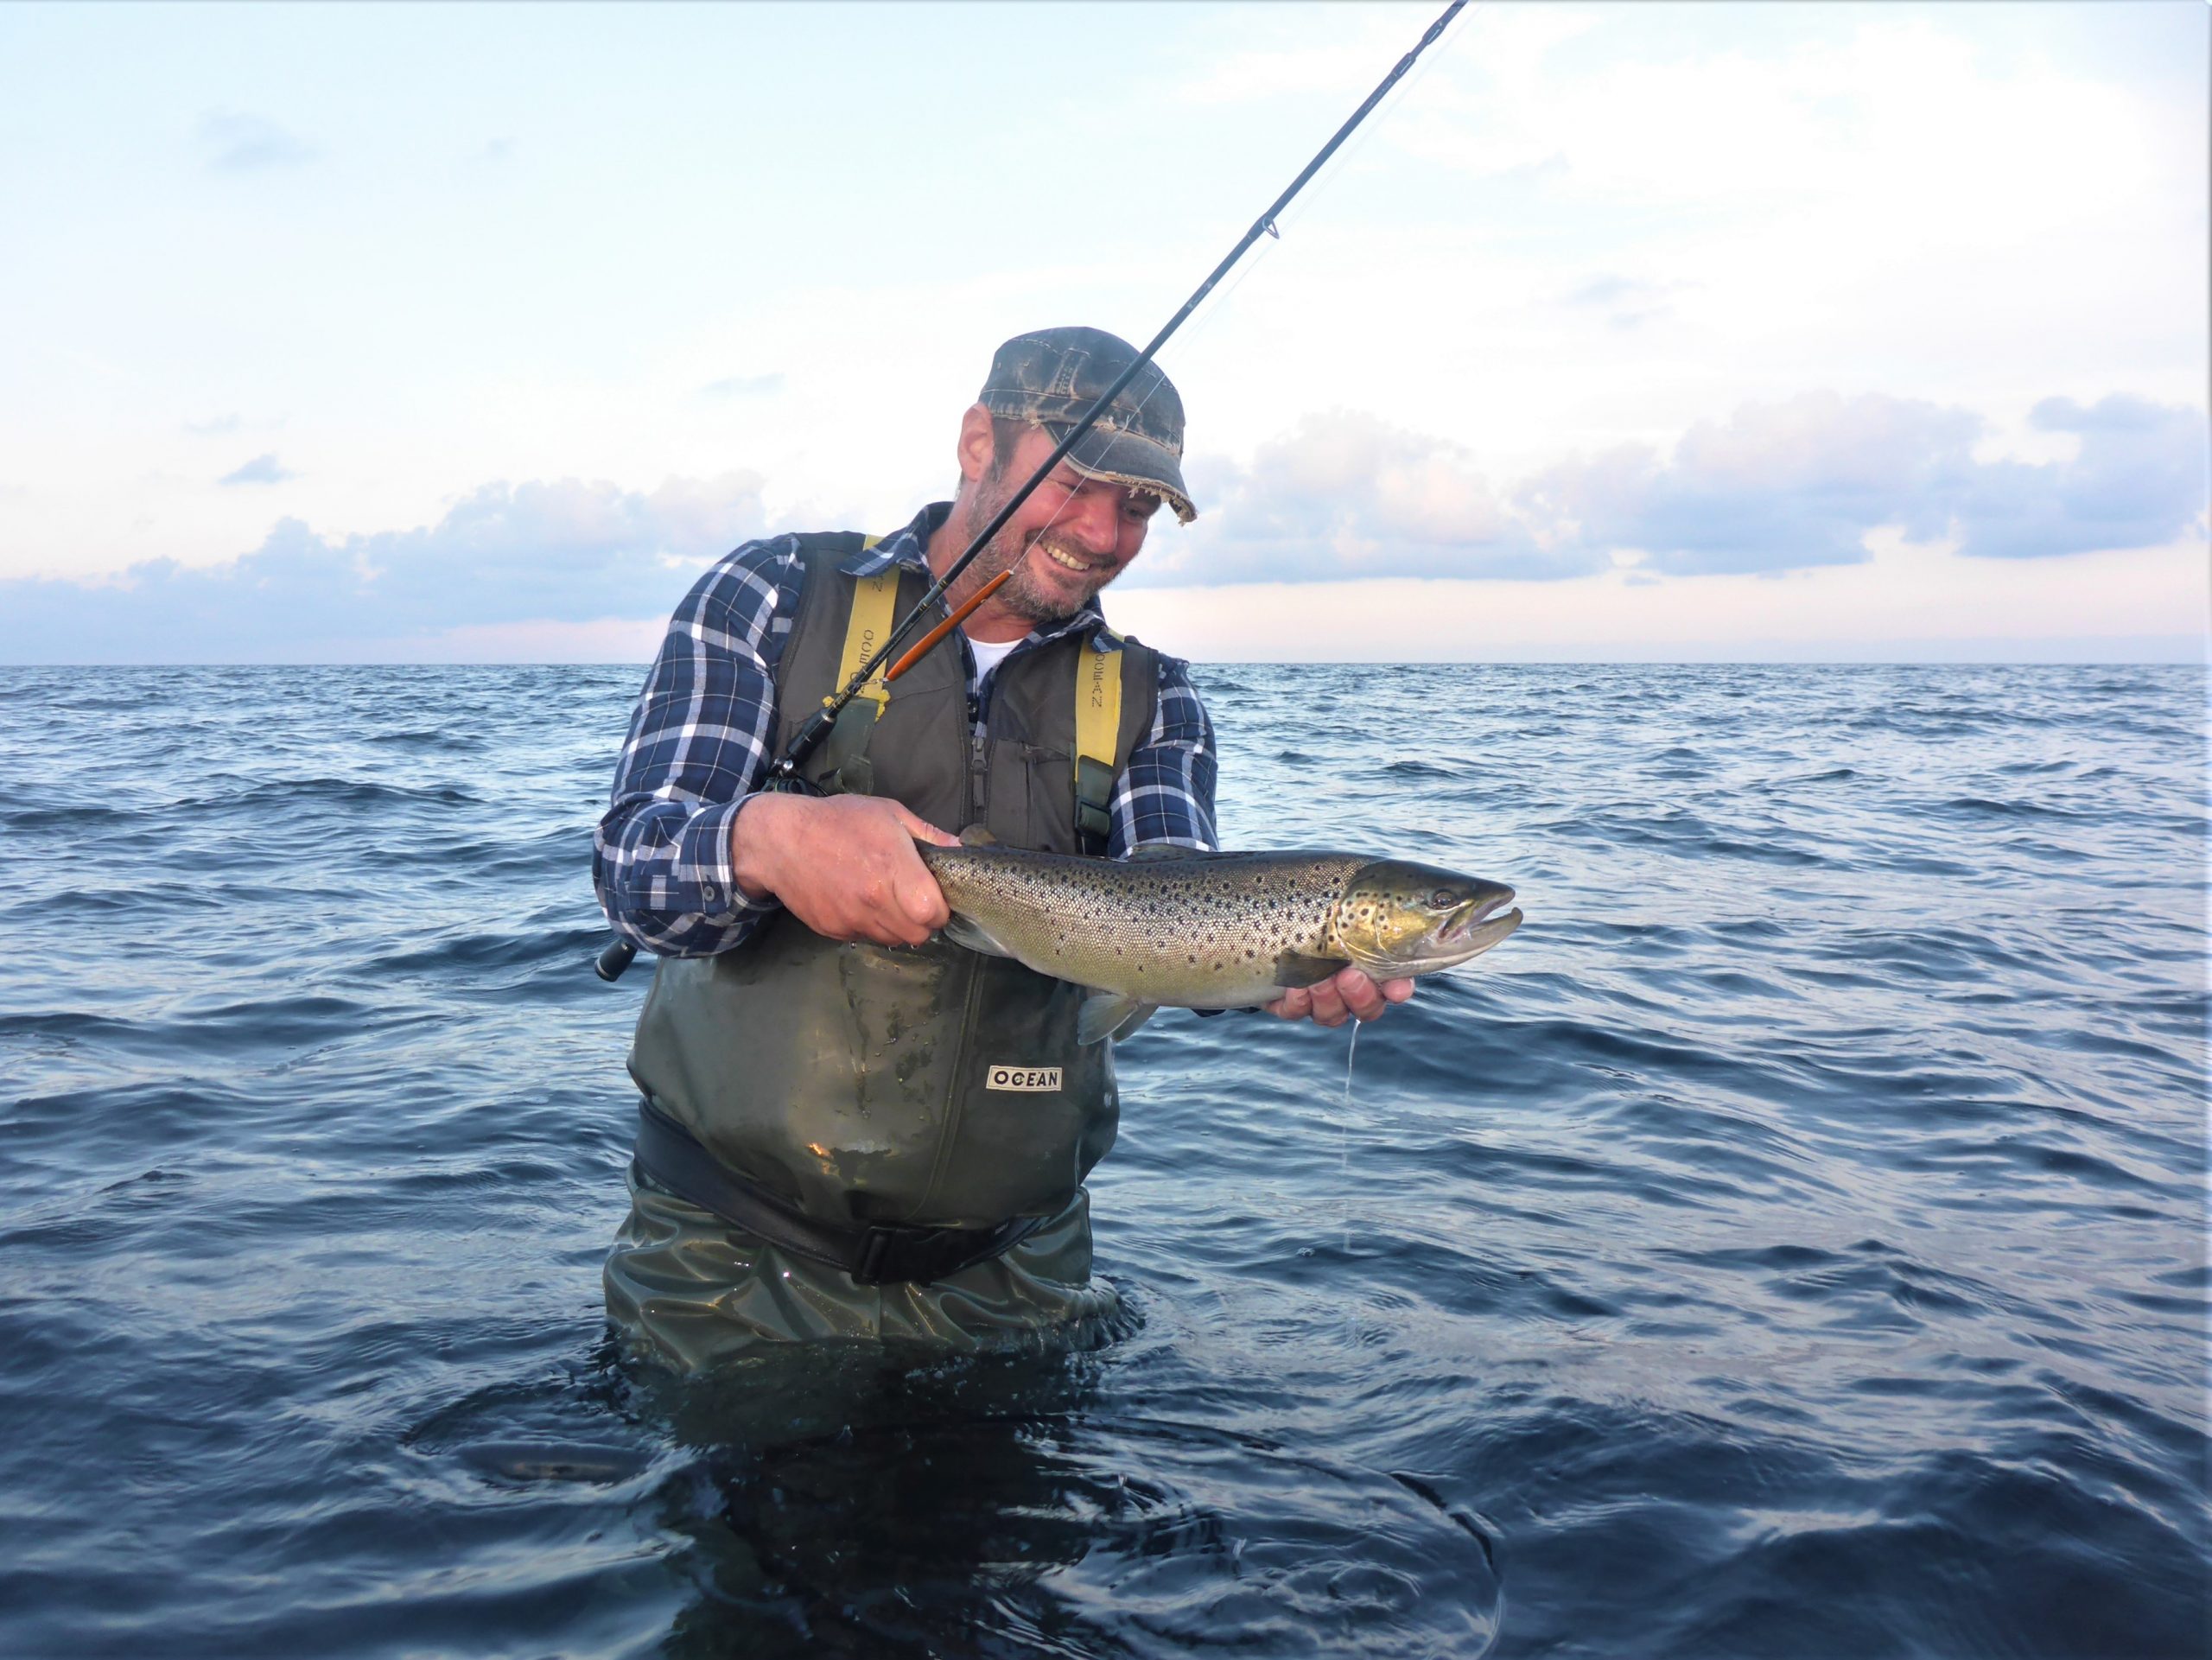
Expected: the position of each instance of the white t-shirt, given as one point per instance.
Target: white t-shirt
(990, 654)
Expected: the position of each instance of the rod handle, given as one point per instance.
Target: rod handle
(921, 647)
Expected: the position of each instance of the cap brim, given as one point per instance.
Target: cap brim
(1124, 458)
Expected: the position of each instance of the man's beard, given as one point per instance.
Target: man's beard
(1023, 593)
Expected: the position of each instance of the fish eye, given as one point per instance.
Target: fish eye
(1443, 899)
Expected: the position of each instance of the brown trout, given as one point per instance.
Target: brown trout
(1211, 930)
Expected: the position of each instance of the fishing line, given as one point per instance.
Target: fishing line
(1195, 329)
(784, 773)
(1209, 310)
(1331, 187)
(1343, 1138)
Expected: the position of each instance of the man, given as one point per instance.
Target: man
(851, 1128)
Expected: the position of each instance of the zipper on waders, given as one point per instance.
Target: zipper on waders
(979, 792)
(955, 1086)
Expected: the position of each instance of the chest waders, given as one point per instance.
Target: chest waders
(832, 1103)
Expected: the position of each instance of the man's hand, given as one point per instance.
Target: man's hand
(844, 865)
(1347, 994)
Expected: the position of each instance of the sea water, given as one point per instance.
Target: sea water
(1791, 1242)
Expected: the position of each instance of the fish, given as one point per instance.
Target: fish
(1186, 929)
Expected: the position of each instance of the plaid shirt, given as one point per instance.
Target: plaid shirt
(699, 740)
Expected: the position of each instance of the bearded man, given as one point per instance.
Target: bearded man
(852, 1129)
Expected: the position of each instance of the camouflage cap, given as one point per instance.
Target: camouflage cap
(1049, 377)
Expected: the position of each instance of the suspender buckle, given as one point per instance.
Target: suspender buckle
(1094, 795)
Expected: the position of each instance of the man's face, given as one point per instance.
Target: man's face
(1072, 538)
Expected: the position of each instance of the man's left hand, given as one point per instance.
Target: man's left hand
(1347, 994)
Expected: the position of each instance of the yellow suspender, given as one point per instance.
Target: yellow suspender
(1098, 706)
(1097, 736)
(874, 598)
(1097, 702)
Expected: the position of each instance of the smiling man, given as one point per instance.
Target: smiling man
(851, 1128)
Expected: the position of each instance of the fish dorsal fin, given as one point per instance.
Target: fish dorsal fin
(1159, 850)
(976, 837)
(1109, 1015)
(1295, 969)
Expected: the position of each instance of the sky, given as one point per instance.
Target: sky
(1619, 331)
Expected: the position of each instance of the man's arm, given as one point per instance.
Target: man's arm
(691, 855)
(697, 749)
(1165, 798)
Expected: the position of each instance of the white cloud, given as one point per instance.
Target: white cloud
(1344, 495)
(517, 563)
(744, 385)
(1803, 482)
(262, 469)
(1342, 500)
(244, 143)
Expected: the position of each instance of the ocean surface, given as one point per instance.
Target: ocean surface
(1791, 1243)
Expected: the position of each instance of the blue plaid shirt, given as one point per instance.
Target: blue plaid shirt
(700, 736)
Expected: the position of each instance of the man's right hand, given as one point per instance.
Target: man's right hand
(844, 865)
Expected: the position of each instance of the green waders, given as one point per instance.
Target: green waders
(697, 1292)
(861, 1088)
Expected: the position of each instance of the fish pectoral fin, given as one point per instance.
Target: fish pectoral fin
(1109, 1015)
(966, 931)
(1144, 1012)
(1296, 969)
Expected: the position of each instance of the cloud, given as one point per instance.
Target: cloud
(1603, 291)
(1626, 301)
(1813, 483)
(1345, 495)
(563, 553)
(743, 386)
(262, 469)
(2137, 480)
(214, 426)
(1802, 483)
(1787, 486)
(244, 143)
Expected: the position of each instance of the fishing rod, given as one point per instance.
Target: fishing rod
(784, 773)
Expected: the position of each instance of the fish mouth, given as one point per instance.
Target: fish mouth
(1474, 921)
(1473, 929)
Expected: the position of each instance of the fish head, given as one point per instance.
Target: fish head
(1395, 918)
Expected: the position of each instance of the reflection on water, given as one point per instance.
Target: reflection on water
(847, 1506)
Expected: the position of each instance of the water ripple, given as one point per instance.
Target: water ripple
(1791, 1243)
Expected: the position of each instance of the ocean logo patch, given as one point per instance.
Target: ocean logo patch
(1033, 1080)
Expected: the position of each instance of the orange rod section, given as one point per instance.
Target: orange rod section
(920, 647)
